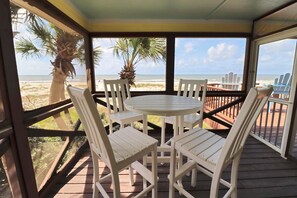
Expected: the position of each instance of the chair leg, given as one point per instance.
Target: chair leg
(144, 124)
(193, 170)
(130, 167)
(110, 127)
(194, 177)
(131, 175)
(179, 165)
(154, 171)
(175, 126)
(163, 128)
(144, 182)
(95, 175)
(172, 171)
(215, 183)
(234, 174)
(116, 184)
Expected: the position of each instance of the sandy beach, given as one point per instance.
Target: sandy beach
(35, 94)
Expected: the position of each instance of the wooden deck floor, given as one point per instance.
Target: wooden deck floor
(262, 173)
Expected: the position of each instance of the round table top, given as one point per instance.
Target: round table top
(164, 105)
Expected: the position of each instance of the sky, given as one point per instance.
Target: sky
(192, 56)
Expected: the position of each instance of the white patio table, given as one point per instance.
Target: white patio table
(164, 105)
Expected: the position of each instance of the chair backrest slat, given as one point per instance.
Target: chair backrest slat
(282, 84)
(191, 88)
(231, 81)
(119, 91)
(114, 98)
(92, 124)
(118, 97)
(246, 118)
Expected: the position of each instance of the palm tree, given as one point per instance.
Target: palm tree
(133, 50)
(63, 46)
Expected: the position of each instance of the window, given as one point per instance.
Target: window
(48, 58)
(210, 58)
(143, 64)
(275, 66)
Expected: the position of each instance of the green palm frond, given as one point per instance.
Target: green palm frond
(14, 9)
(121, 49)
(97, 54)
(63, 46)
(68, 69)
(27, 48)
(157, 50)
(80, 54)
(133, 50)
(32, 18)
(43, 36)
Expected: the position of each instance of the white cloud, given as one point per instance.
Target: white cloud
(188, 47)
(277, 57)
(265, 58)
(276, 47)
(221, 51)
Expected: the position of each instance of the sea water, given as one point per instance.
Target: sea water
(212, 78)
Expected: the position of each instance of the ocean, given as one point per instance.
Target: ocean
(212, 78)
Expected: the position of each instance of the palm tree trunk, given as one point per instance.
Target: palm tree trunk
(128, 72)
(57, 93)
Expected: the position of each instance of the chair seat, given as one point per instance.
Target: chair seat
(126, 117)
(128, 144)
(202, 146)
(190, 120)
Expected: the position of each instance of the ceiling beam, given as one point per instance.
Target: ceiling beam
(49, 12)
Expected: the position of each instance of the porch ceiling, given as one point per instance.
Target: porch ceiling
(167, 15)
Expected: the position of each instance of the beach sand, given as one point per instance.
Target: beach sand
(36, 94)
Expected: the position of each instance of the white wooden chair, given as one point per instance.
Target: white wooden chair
(231, 81)
(116, 91)
(188, 88)
(117, 150)
(282, 85)
(210, 153)
(281, 88)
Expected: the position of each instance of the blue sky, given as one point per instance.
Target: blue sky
(193, 56)
(277, 57)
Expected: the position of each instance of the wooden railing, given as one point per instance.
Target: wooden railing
(225, 108)
(270, 125)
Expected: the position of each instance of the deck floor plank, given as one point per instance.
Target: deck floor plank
(262, 173)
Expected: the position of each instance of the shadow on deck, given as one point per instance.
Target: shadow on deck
(262, 173)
